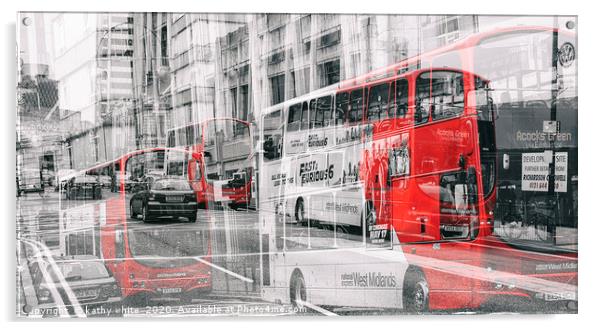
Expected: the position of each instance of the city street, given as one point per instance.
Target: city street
(235, 290)
(233, 260)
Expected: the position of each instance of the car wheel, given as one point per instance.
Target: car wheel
(192, 218)
(145, 216)
(298, 291)
(133, 214)
(415, 292)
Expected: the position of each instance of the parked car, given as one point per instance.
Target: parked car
(86, 275)
(83, 186)
(165, 197)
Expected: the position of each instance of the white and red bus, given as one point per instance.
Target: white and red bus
(380, 191)
(147, 259)
(226, 165)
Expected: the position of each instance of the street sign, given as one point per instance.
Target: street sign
(551, 126)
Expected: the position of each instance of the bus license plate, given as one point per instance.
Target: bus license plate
(170, 290)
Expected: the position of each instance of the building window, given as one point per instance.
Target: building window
(448, 30)
(329, 72)
(276, 57)
(277, 87)
(330, 39)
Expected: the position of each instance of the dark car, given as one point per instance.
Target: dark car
(83, 186)
(87, 277)
(166, 197)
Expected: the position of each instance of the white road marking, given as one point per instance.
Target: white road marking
(79, 312)
(229, 272)
(316, 308)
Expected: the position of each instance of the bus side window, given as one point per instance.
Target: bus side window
(272, 145)
(314, 115)
(356, 102)
(325, 108)
(447, 94)
(423, 100)
(401, 98)
(305, 116)
(342, 103)
(377, 104)
(319, 120)
(294, 118)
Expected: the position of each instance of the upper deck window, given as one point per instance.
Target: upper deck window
(378, 103)
(355, 114)
(401, 98)
(341, 108)
(294, 117)
(439, 94)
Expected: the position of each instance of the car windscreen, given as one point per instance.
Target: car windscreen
(80, 271)
(171, 185)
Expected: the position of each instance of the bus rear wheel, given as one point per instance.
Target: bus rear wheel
(298, 292)
(300, 212)
(415, 292)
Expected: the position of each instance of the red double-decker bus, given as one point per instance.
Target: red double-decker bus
(226, 165)
(148, 259)
(391, 176)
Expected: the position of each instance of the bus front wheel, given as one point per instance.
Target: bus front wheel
(298, 292)
(415, 292)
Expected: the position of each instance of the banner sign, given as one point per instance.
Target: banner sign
(535, 169)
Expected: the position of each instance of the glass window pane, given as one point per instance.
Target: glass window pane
(342, 105)
(401, 98)
(357, 103)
